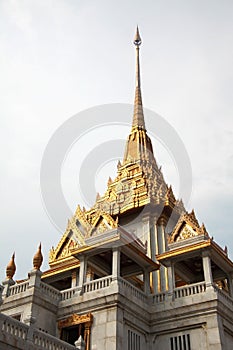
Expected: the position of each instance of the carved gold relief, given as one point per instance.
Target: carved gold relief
(187, 227)
(75, 319)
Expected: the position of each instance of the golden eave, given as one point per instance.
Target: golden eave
(61, 268)
(183, 250)
(214, 247)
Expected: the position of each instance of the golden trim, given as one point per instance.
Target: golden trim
(190, 248)
(183, 250)
(60, 269)
(75, 319)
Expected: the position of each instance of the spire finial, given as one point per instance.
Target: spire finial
(138, 146)
(138, 117)
(11, 268)
(137, 39)
(38, 259)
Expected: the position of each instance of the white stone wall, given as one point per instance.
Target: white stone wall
(104, 329)
(134, 339)
(197, 338)
(228, 340)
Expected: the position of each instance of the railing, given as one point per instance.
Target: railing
(134, 291)
(159, 298)
(16, 333)
(224, 295)
(51, 292)
(191, 289)
(48, 342)
(68, 293)
(48, 290)
(13, 327)
(18, 288)
(97, 284)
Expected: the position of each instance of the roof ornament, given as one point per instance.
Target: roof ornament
(38, 259)
(137, 39)
(139, 147)
(138, 117)
(11, 268)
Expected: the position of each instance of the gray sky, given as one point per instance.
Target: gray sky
(61, 57)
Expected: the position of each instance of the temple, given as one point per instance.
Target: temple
(136, 271)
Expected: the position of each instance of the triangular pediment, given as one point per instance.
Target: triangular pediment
(72, 238)
(187, 227)
(102, 222)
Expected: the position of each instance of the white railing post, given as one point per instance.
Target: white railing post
(34, 278)
(7, 283)
(30, 321)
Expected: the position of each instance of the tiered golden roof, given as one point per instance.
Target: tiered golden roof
(139, 184)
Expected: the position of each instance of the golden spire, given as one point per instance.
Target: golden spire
(38, 259)
(138, 117)
(138, 147)
(11, 268)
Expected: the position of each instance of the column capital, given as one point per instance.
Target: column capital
(116, 249)
(162, 221)
(206, 253)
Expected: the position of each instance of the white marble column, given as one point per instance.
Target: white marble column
(74, 278)
(116, 261)
(89, 275)
(82, 270)
(171, 278)
(230, 283)
(206, 261)
(162, 244)
(146, 278)
(155, 274)
(146, 234)
(161, 249)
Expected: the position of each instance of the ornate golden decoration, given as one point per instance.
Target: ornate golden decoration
(139, 182)
(187, 227)
(102, 222)
(71, 239)
(75, 319)
(183, 250)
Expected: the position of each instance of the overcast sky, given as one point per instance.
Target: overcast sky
(63, 56)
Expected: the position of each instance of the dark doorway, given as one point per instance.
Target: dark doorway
(71, 334)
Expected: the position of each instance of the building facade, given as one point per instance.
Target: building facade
(134, 272)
